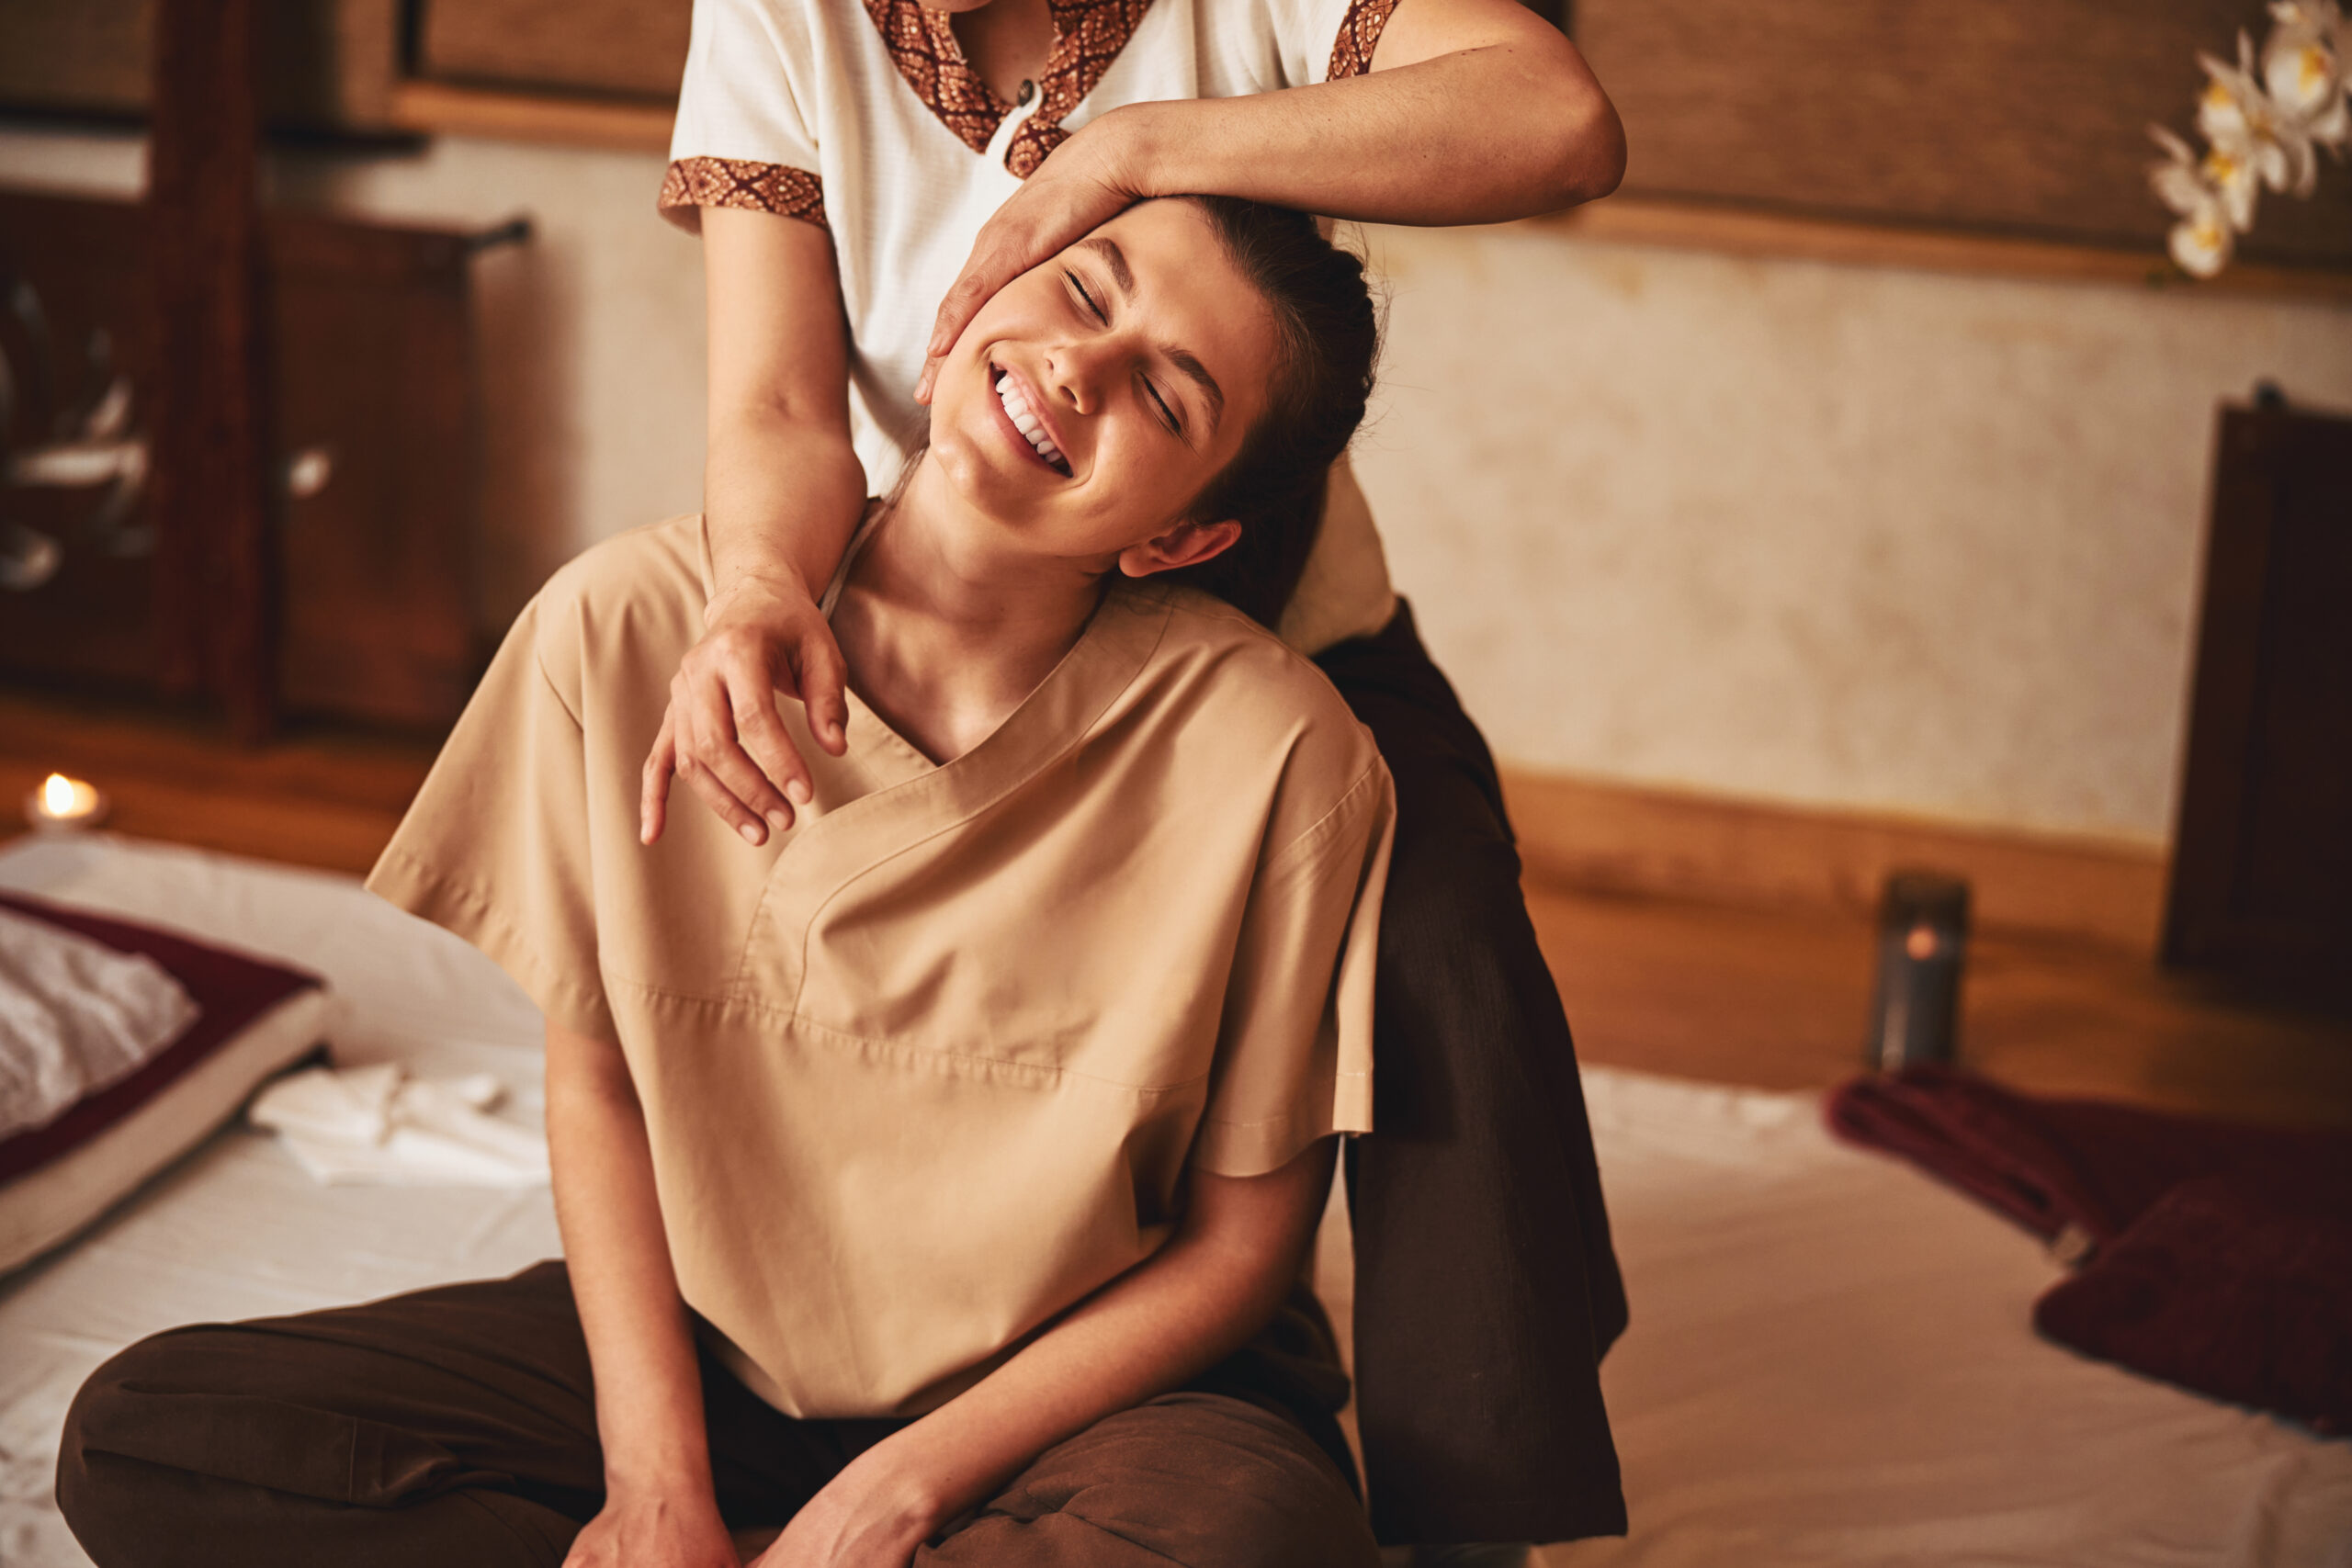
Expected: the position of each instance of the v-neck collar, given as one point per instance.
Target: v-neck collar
(914, 799)
(1088, 36)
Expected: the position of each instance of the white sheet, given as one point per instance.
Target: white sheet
(238, 1229)
(1830, 1361)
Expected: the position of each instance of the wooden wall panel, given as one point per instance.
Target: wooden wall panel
(2020, 116)
(323, 63)
(625, 48)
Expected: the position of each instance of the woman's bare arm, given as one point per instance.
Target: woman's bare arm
(1217, 1281)
(1475, 111)
(782, 492)
(660, 1510)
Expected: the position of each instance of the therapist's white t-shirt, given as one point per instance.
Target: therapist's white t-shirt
(864, 118)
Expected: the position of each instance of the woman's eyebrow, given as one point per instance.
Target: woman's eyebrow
(1115, 259)
(1184, 359)
(1199, 374)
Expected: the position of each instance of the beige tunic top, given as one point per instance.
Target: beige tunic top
(926, 1070)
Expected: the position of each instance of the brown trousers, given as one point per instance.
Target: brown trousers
(456, 1427)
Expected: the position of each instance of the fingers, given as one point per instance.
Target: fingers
(823, 675)
(713, 762)
(773, 758)
(653, 790)
(983, 274)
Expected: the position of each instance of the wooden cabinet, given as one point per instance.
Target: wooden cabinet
(373, 472)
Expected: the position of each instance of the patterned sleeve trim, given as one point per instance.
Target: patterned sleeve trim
(1359, 36)
(738, 181)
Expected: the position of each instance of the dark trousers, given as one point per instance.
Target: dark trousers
(457, 1427)
(1485, 1288)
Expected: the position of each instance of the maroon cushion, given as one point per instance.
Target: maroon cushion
(232, 989)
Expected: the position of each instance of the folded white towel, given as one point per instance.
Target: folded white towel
(376, 1125)
(75, 1016)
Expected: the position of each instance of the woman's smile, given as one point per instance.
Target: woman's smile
(1024, 411)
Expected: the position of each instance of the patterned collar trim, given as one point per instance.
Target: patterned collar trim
(1088, 36)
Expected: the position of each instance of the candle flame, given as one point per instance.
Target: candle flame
(66, 799)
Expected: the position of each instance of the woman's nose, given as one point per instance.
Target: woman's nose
(1079, 372)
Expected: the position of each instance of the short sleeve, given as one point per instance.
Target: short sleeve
(496, 846)
(741, 138)
(1326, 40)
(1294, 1058)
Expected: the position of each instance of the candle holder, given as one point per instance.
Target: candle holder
(1922, 941)
(59, 804)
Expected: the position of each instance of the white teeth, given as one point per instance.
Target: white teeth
(1024, 419)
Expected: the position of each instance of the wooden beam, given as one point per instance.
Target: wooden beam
(1591, 836)
(214, 558)
(1752, 231)
(439, 109)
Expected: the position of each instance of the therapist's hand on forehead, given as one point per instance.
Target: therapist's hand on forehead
(1474, 111)
(1394, 146)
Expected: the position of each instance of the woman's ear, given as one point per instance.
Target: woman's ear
(1187, 544)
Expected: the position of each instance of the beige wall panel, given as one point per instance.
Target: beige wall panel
(2023, 115)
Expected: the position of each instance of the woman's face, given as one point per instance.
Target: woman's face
(1089, 403)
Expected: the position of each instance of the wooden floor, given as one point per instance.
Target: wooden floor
(1776, 999)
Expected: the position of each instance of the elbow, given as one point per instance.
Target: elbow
(1588, 152)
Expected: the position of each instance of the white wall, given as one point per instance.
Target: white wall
(1819, 533)
(1824, 534)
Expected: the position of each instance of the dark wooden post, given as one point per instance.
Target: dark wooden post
(215, 556)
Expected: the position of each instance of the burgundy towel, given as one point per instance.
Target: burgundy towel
(2219, 1253)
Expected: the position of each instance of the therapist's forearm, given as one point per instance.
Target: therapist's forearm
(1483, 135)
(782, 494)
(648, 1385)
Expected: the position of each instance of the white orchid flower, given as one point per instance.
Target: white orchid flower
(2223, 179)
(2238, 117)
(2204, 237)
(2302, 67)
(2202, 242)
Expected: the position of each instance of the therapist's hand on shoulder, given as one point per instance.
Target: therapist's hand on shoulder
(721, 734)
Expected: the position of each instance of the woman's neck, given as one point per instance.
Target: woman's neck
(1005, 42)
(944, 637)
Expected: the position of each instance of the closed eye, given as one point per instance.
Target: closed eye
(1086, 300)
(1167, 414)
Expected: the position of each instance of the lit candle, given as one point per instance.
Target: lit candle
(1923, 938)
(60, 802)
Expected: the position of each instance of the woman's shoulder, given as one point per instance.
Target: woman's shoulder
(643, 587)
(1217, 667)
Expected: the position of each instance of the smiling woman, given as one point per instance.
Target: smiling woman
(1165, 396)
(937, 1168)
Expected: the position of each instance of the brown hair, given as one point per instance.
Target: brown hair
(1327, 340)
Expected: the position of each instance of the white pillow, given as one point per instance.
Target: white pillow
(76, 1016)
